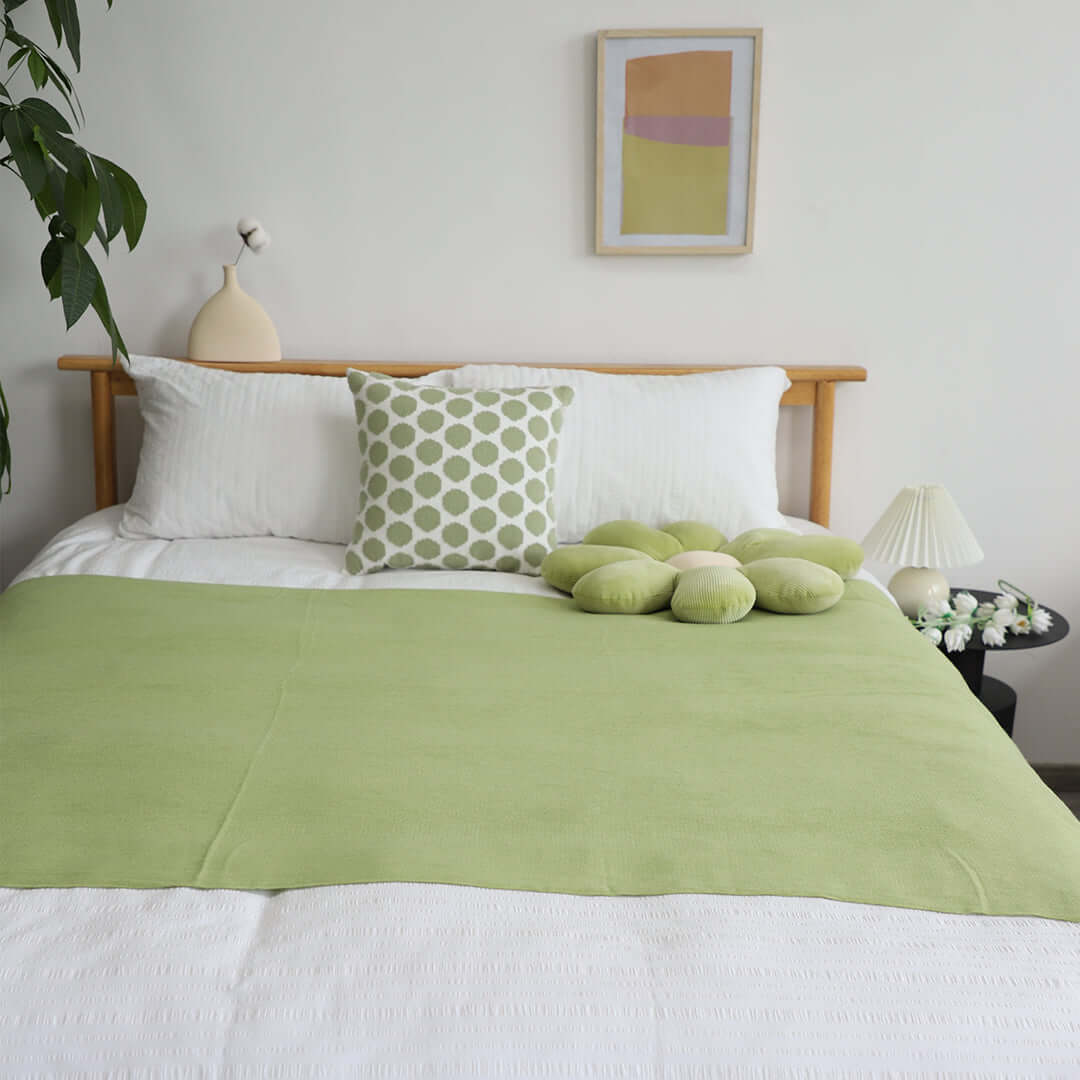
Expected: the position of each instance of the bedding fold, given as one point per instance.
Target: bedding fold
(160, 734)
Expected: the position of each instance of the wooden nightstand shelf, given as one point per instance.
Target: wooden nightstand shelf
(999, 697)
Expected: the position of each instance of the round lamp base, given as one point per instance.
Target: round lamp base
(915, 586)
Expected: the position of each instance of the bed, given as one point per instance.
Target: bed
(420, 976)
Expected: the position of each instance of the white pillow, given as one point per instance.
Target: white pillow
(659, 448)
(234, 454)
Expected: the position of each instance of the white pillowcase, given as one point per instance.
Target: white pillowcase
(659, 448)
(236, 454)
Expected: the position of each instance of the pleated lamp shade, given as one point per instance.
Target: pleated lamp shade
(923, 527)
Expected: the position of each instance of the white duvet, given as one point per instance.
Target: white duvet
(412, 980)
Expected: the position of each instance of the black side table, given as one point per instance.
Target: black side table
(999, 697)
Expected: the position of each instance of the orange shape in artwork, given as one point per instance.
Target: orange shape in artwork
(679, 84)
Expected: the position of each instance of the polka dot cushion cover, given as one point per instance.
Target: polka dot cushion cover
(454, 479)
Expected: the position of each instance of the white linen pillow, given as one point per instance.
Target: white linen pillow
(236, 454)
(659, 448)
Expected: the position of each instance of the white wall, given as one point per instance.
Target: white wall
(426, 172)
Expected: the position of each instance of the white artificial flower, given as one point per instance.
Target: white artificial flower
(1003, 618)
(993, 635)
(1041, 620)
(937, 609)
(985, 609)
(956, 637)
(1005, 602)
(964, 603)
(932, 634)
(1021, 625)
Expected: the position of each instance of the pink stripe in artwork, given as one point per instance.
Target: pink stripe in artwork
(687, 130)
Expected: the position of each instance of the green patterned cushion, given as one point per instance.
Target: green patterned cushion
(712, 594)
(454, 479)
(635, 587)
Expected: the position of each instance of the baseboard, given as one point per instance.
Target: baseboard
(1059, 777)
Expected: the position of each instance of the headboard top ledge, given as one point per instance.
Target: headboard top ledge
(810, 385)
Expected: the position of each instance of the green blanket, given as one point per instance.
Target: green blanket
(156, 734)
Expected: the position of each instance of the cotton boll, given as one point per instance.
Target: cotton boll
(257, 239)
(247, 225)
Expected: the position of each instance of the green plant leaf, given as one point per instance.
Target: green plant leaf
(16, 56)
(51, 197)
(82, 203)
(54, 20)
(78, 280)
(104, 313)
(11, 5)
(70, 154)
(59, 78)
(29, 159)
(103, 240)
(112, 200)
(39, 73)
(51, 257)
(133, 201)
(45, 115)
(69, 19)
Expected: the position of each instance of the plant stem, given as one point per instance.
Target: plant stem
(243, 248)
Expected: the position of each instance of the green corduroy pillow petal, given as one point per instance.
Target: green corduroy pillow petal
(695, 535)
(563, 567)
(843, 556)
(793, 586)
(632, 534)
(712, 594)
(627, 588)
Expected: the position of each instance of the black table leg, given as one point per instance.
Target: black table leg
(970, 664)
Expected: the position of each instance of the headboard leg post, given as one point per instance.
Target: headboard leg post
(101, 406)
(821, 452)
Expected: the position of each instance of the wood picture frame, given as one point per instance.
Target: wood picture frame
(681, 124)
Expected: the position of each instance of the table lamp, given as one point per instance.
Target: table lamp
(923, 528)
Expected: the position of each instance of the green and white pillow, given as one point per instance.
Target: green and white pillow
(454, 479)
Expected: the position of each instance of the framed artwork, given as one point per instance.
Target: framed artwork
(676, 141)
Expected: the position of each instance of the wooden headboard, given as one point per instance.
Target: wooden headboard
(813, 386)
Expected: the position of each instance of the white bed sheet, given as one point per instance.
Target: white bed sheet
(405, 979)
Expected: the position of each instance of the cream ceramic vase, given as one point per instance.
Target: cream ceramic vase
(232, 327)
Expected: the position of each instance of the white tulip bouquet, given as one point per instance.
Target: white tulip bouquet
(957, 622)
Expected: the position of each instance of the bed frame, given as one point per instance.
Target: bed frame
(813, 386)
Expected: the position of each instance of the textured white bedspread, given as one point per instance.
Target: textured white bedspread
(411, 980)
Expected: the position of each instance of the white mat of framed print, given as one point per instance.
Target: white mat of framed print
(676, 141)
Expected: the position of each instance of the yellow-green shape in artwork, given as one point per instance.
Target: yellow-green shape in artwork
(674, 189)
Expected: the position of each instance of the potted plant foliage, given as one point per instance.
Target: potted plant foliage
(79, 195)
